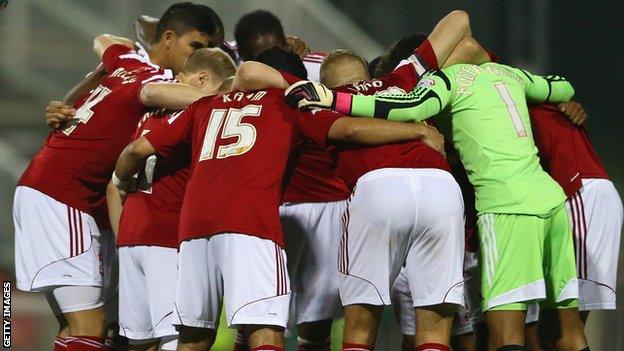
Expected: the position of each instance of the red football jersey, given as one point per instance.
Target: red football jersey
(355, 161)
(151, 215)
(240, 148)
(75, 164)
(565, 150)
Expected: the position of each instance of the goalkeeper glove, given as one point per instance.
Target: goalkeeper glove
(306, 95)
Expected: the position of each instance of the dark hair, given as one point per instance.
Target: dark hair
(400, 50)
(372, 66)
(254, 25)
(282, 60)
(184, 17)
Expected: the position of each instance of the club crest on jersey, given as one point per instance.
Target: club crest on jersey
(426, 83)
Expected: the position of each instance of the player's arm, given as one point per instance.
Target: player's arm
(429, 97)
(145, 30)
(467, 51)
(102, 42)
(378, 132)
(252, 75)
(115, 206)
(88, 83)
(544, 89)
(131, 160)
(172, 96)
(448, 33)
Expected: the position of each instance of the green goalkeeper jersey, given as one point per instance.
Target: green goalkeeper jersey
(490, 129)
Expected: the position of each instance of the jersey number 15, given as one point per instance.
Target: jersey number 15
(232, 127)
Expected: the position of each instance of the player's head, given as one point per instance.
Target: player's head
(398, 51)
(372, 66)
(258, 30)
(184, 28)
(207, 69)
(282, 60)
(343, 66)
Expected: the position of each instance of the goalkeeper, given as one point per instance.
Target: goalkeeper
(526, 248)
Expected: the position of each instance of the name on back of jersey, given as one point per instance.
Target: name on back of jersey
(240, 96)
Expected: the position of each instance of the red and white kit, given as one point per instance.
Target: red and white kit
(594, 206)
(60, 195)
(148, 242)
(406, 210)
(311, 216)
(229, 224)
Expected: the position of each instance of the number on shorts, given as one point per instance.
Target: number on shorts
(233, 127)
(85, 112)
(516, 119)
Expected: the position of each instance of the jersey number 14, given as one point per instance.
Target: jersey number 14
(85, 112)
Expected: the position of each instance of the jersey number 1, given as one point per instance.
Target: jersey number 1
(233, 127)
(515, 116)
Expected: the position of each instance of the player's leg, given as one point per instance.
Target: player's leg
(317, 298)
(256, 287)
(464, 334)
(372, 251)
(57, 248)
(114, 341)
(197, 302)
(434, 263)
(404, 311)
(301, 222)
(561, 284)
(507, 244)
(160, 267)
(60, 342)
(531, 332)
(596, 215)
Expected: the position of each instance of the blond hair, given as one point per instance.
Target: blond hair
(217, 61)
(336, 57)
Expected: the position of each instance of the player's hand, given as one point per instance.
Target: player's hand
(123, 186)
(145, 30)
(433, 138)
(306, 95)
(574, 111)
(297, 46)
(57, 113)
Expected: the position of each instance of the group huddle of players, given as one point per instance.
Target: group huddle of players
(247, 174)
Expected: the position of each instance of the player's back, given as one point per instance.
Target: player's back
(240, 148)
(76, 163)
(492, 132)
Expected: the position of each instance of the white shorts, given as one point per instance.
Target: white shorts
(248, 272)
(55, 244)
(312, 234)
(146, 290)
(466, 316)
(595, 213)
(412, 218)
(66, 299)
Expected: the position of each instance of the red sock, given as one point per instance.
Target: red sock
(85, 343)
(60, 344)
(241, 341)
(433, 347)
(267, 348)
(355, 347)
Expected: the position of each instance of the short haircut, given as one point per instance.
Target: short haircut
(184, 17)
(400, 50)
(214, 59)
(282, 60)
(372, 66)
(256, 24)
(339, 56)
